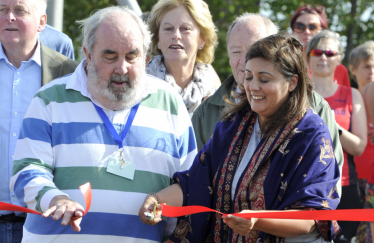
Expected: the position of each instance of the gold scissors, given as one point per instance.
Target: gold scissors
(152, 215)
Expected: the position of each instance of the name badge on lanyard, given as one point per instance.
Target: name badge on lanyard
(117, 164)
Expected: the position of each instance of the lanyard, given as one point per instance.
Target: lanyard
(110, 127)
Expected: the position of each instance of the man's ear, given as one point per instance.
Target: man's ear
(87, 54)
(42, 23)
(293, 83)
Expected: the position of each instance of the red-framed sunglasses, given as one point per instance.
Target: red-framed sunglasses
(300, 28)
(318, 53)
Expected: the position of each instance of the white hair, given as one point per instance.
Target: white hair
(124, 97)
(270, 27)
(91, 24)
(41, 6)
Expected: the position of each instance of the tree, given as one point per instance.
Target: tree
(77, 10)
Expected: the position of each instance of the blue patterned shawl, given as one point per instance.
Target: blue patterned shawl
(294, 168)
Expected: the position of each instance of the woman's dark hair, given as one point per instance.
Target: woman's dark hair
(319, 10)
(286, 53)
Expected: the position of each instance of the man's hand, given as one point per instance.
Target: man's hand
(71, 212)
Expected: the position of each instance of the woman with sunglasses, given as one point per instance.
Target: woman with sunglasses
(324, 53)
(308, 21)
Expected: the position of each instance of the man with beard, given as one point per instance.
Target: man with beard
(108, 124)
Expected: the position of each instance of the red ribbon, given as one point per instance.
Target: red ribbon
(85, 189)
(170, 211)
(340, 214)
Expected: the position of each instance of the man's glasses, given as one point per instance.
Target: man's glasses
(318, 53)
(300, 28)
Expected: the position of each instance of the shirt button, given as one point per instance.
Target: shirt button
(12, 156)
(16, 92)
(17, 73)
(15, 113)
(14, 134)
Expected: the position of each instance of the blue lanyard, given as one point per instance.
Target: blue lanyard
(110, 127)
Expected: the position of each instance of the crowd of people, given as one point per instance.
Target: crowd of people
(145, 119)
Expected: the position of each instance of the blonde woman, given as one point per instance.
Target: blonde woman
(183, 43)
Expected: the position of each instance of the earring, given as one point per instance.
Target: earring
(158, 45)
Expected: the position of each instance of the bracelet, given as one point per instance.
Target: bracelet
(155, 195)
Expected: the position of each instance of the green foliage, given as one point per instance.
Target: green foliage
(344, 18)
(77, 10)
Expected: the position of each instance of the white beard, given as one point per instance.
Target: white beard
(112, 97)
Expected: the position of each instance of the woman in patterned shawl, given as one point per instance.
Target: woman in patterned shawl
(270, 152)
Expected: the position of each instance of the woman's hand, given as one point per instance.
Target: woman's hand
(239, 225)
(148, 207)
(71, 212)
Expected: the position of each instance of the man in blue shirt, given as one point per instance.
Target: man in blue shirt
(57, 41)
(25, 65)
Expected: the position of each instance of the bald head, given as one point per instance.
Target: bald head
(243, 32)
(42, 6)
(256, 22)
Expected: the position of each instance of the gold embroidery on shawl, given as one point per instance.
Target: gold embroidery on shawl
(283, 146)
(297, 205)
(210, 190)
(182, 229)
(202, 158)
(331, 192)
(284, 188)
(326, 151)
(325, 204)
(301, 157)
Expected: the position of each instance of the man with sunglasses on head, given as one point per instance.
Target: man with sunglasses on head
(307, 22)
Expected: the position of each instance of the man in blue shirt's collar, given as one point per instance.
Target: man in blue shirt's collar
(25, 64)
(21, 21)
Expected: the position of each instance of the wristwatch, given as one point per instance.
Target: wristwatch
(340, 130)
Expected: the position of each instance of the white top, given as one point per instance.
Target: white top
(252, 145)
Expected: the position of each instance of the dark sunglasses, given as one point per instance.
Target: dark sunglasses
(318, 53)
(300, 28)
